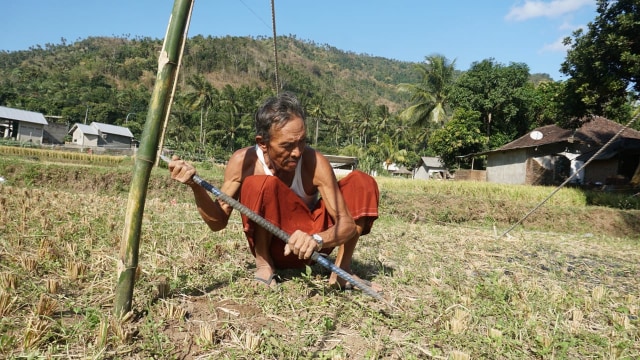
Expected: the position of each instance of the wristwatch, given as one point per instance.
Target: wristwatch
(319, 240)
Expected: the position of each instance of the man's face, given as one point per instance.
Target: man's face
(287, 144)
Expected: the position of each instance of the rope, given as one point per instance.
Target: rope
(572, 176)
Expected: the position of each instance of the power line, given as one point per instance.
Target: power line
(255, 14)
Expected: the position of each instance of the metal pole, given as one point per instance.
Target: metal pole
(282, 235)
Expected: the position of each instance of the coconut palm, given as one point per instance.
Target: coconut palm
(315, 111)
(430, 96)
(203, 96)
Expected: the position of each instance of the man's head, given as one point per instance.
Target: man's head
(275, 113)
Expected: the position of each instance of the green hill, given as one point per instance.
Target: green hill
(113, 76)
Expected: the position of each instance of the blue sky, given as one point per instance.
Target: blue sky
(528, 31)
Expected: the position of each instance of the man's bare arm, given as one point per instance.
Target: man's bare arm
(215, 214)
(344, 227)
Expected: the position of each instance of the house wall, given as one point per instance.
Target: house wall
(79, 138)
(507, 167)
(55, 133)
(422, 173)
(28, 132)
(470, 175)
(116, 141)
(600, 170)
(425, 172)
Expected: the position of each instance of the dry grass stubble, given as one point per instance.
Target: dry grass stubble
(458, 291)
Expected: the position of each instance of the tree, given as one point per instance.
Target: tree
(431, 95)
(461, 136)
(546, 103)
(316, 112)
(361, 118)
(390, 152)
(604, 62)
(499, 93)
(202, 96)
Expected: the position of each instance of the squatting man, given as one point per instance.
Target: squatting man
(294, 187)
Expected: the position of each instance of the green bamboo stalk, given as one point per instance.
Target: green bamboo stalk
(158, 108)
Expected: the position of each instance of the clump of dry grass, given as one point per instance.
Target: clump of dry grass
(7, 303)
(35, 332)
(46, 306)
(8, 280)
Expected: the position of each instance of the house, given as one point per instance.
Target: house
(55, 131)
(430, 168)
(84, 135)
(342, 165)
(101, 135)
(22, 125)
(549, 155)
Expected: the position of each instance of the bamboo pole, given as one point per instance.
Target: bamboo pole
(145, 158)
(175, 85)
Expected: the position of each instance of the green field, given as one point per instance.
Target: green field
(563, 285)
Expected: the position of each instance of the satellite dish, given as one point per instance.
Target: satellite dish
(536, 135)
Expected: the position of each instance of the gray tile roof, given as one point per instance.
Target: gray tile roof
(22, 115)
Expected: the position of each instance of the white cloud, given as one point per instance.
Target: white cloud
(537, 8)
(556, 46)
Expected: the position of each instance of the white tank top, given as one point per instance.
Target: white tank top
(296, 184)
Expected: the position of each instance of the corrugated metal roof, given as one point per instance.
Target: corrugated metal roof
(432, 161)
(112, 129)
(22, 115)
(86, 129)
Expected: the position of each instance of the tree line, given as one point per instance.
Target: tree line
(382, 111)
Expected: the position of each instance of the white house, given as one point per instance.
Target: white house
(22, 125)
(84, 135)
(342, 165)
(430, 168)
(101, 135)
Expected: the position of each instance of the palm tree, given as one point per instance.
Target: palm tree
(362, 115)
(431, 95)
(232, 104)
(202, 96)
(315, 110)
(384, 118)
(390, 152)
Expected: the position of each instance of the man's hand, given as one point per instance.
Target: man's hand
(301, 244)
(181, 171)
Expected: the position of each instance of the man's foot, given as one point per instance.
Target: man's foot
(265, 276)
(270, 282)
(341, 284)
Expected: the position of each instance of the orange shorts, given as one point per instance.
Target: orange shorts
(270, 198)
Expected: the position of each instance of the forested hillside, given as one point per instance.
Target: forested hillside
(114, 76)
(222, 80)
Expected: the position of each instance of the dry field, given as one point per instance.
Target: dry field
(560, 287)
